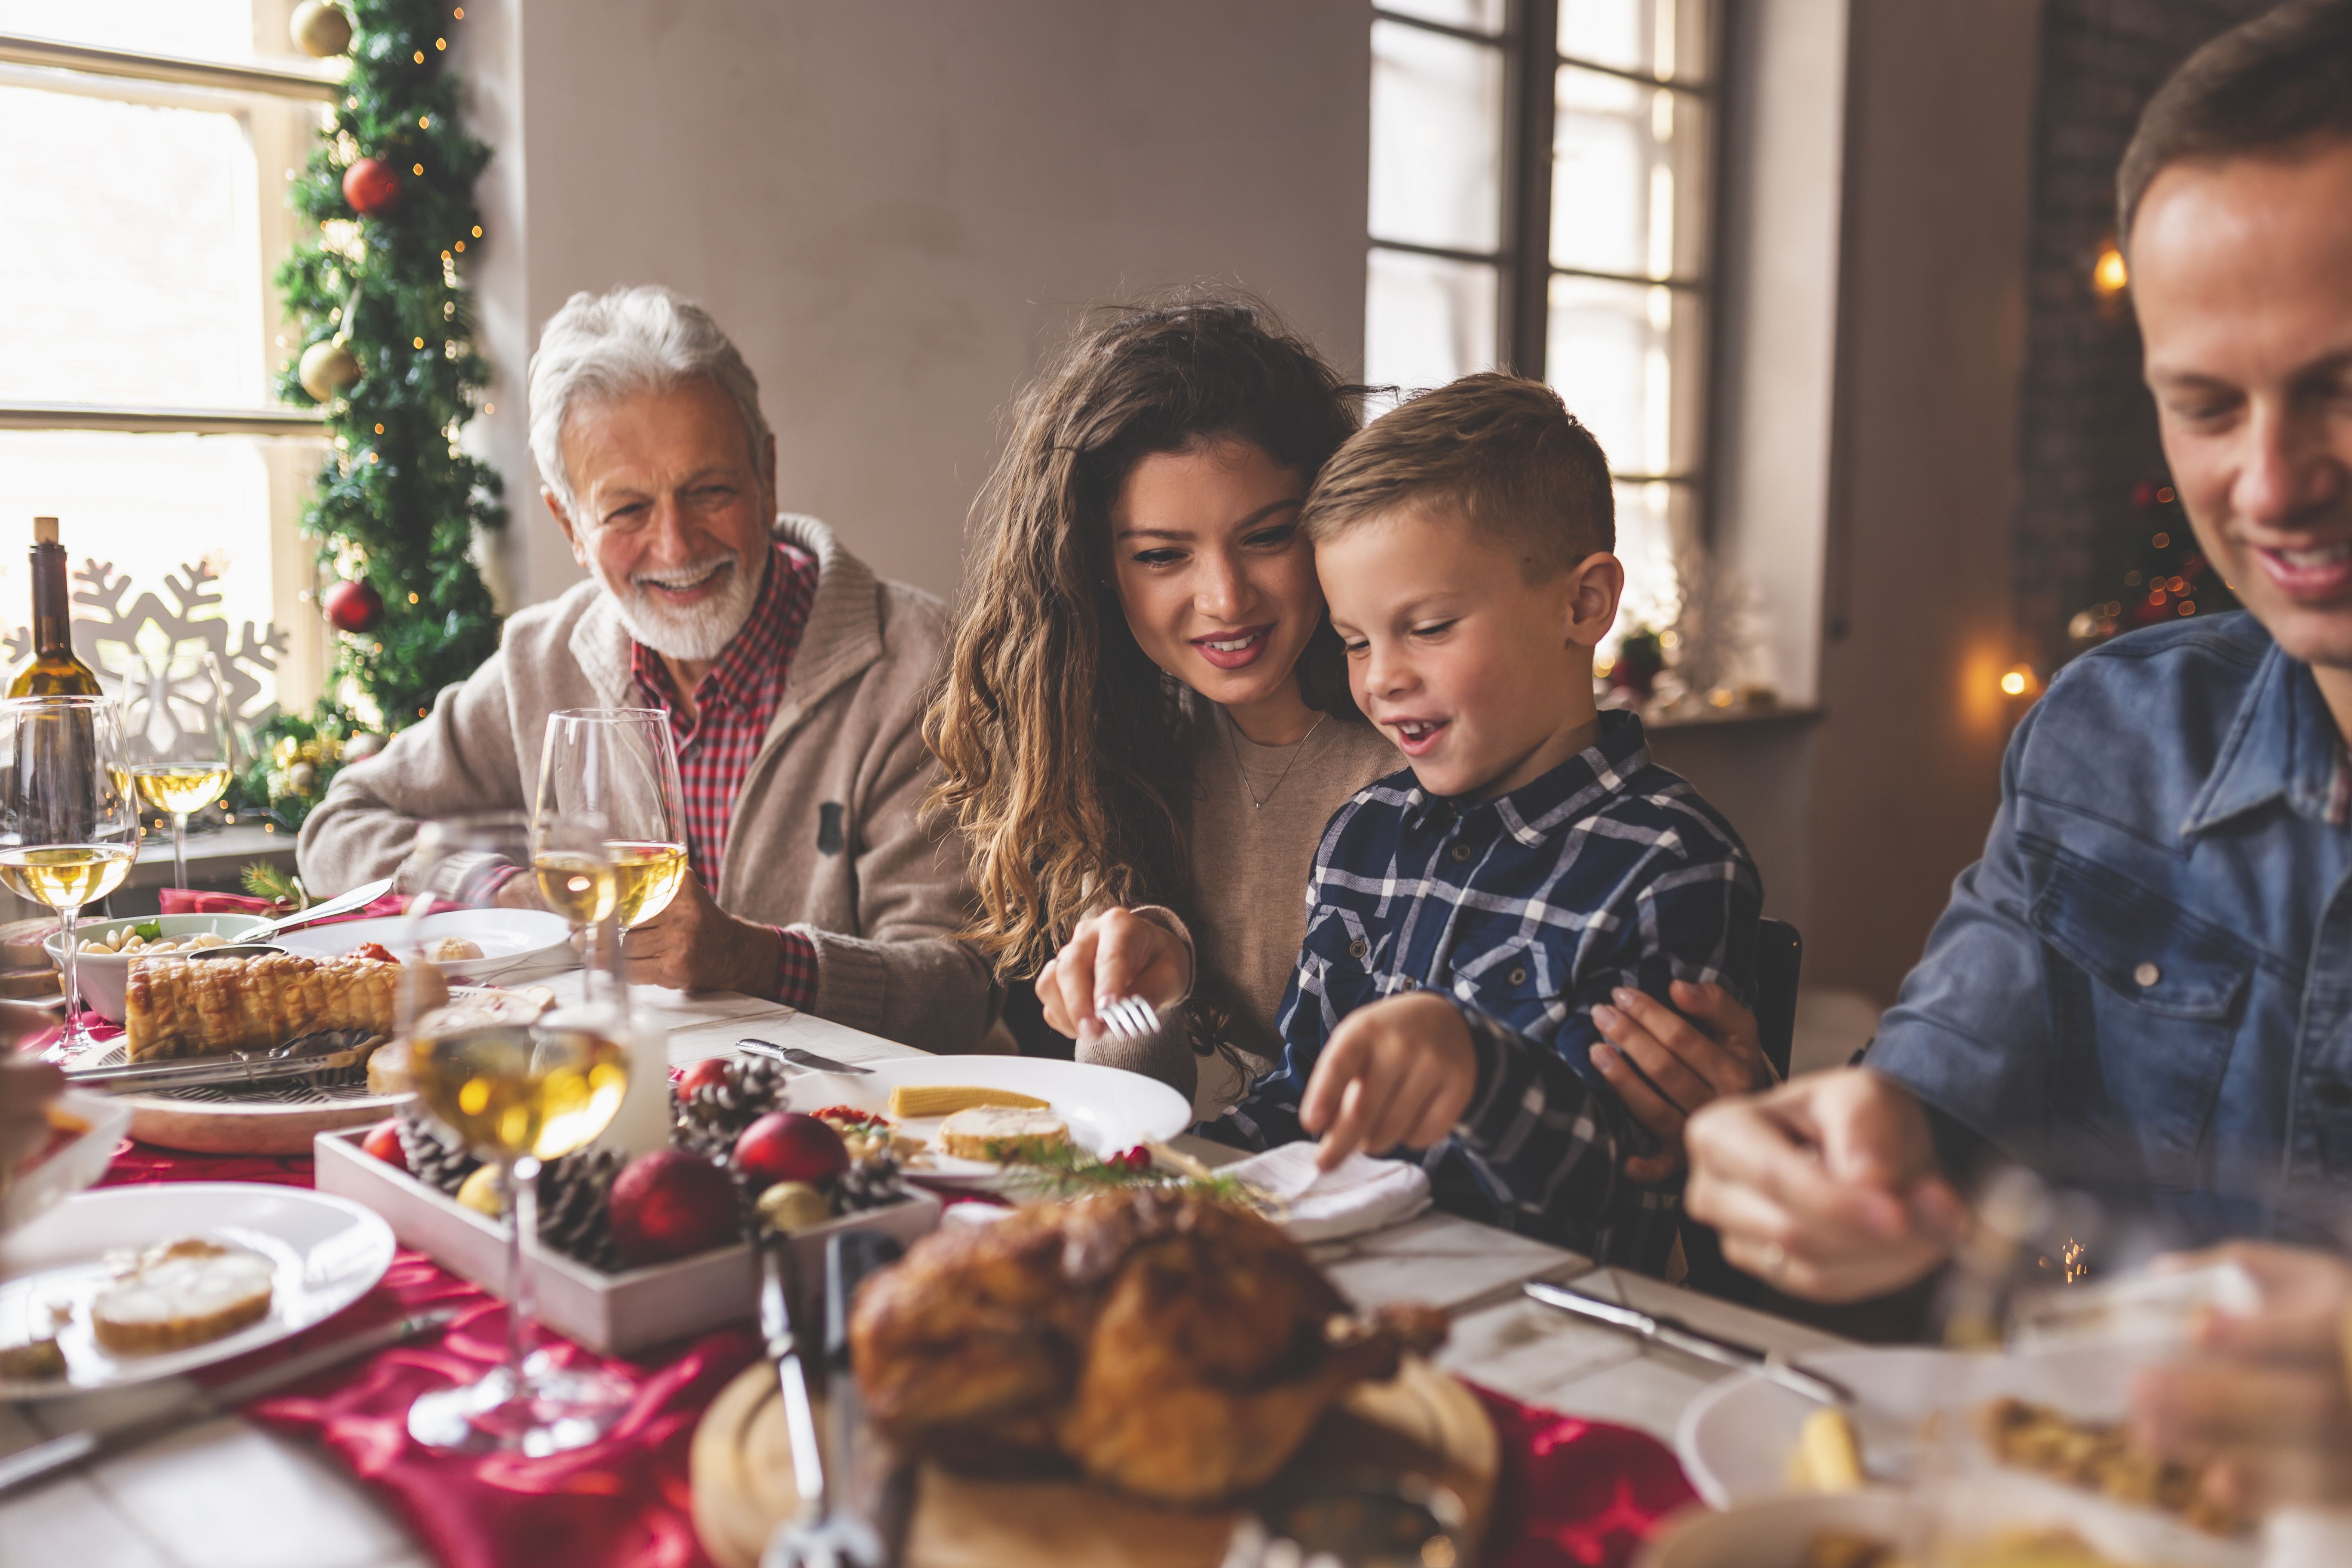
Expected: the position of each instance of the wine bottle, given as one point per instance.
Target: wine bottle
(53, 670)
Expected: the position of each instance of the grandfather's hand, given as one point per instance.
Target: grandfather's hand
(1113, 953)
(26, 1085)
(2262, 1400)
(695, 945)
(1399, 1070)
(1686, 1061)
(1827, 1188)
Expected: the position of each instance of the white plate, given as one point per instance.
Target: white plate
(1736, 1438)
(328, 1252)
(511, 940)
(1108, 1108)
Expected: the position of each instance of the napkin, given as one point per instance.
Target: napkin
(1362, 1194)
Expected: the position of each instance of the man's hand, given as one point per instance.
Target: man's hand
(2264, 1398)
(695, 945)
(1399, 1071)
(1826, 1188)
(1114, 953)
(1684, 1063)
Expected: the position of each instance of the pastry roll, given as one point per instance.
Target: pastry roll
(186, 1007)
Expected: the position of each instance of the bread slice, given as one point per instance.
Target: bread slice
(179, 1294)
(1002, 1133)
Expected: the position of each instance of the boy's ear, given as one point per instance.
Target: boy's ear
(1590, 597)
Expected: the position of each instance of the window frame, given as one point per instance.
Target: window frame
(1530, 47)
(291, 441)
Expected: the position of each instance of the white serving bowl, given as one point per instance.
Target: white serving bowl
(103, 976)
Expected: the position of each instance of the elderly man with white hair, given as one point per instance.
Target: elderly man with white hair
(794, 679)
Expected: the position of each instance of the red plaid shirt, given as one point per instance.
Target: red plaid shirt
(733, 703)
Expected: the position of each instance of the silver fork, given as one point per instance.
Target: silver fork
(1128, 1018)
(818, 1536)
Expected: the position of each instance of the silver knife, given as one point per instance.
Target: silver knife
(795, 1056)
(1681, 1336)
(342, 904)
(43, 1460)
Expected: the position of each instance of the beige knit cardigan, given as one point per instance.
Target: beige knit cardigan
(827, 836)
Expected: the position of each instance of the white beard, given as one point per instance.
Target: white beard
(696, 632)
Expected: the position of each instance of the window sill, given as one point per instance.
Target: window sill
(1737, 718)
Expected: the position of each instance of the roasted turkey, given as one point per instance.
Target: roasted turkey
(1166, 1345)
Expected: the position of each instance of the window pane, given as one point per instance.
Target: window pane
(149, 505)
(1649, 519)
(1426, 319)
(196, 30)
(1625, 359)
(1627, 192)
(1479, 16)
(1437, 129)
(1657, 38)
(132, 269)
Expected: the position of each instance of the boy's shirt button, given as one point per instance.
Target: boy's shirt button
(1518, 977)
(2148, 975)
(1462, 851)
(1358, 948)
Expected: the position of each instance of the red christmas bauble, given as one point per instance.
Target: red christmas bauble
(786, 1146)
(668, 1204)
(385, 1143)
(707, 1073)
(372, 186)
(354, 606)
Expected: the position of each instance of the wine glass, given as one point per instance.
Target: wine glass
(68, 819)
(175, 723)
(620, 764)
(517, 1095)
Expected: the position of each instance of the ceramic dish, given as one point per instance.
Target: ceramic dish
(328, 1253)
(513, 942)
(103, 976)
(67, 1168)
(1108, 1108)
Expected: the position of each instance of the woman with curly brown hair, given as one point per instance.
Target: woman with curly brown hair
(1145, 723)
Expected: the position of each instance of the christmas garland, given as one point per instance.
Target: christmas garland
(388, 352)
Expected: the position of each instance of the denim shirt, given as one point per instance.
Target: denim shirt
(2148, 976)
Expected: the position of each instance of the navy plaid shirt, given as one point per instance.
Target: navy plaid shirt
(1526, 911)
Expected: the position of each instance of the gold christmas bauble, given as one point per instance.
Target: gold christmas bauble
(320, 29)
(302, 777)
(327, 369)
(479, 1192)
(788, 1206)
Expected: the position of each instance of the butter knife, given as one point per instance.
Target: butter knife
(795, 1056)
(31, 1466)
(306, 1056)
(1677, 1334)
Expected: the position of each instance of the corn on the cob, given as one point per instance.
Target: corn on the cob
(910, 1099)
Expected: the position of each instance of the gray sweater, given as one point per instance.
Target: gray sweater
(875, 892)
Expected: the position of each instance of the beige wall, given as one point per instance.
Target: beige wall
(894, 207)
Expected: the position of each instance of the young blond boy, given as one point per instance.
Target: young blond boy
(1466, 916)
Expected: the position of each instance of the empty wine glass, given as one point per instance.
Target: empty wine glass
(68, 819)
(176, 723)
(517, 1095)
(621, 764)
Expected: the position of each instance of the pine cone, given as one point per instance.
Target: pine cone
(575, 1210)
(868, 1184)
(440, 1165)
(708, 1119)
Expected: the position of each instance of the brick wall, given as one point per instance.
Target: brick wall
(2087, 432)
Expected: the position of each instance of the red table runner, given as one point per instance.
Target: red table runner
(1571, 1491)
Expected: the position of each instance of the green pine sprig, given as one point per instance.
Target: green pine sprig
(1059, 1175)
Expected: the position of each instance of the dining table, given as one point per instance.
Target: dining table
(234, 1493)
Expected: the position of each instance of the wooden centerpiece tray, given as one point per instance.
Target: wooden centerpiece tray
(1422, 1422)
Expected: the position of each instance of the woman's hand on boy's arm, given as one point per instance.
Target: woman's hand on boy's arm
(1399, 1071)
(1684, 1063)
(1114, 953)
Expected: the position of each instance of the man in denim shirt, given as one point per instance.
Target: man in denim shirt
(2150, 971)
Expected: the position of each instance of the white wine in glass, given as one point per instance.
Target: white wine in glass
(68, 819)
(621, 764)
(175, 722)
(517, 1095)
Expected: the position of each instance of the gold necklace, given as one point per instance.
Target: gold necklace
(1235, 729)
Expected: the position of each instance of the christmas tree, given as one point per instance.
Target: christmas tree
(2165, 576)
(388, 353)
